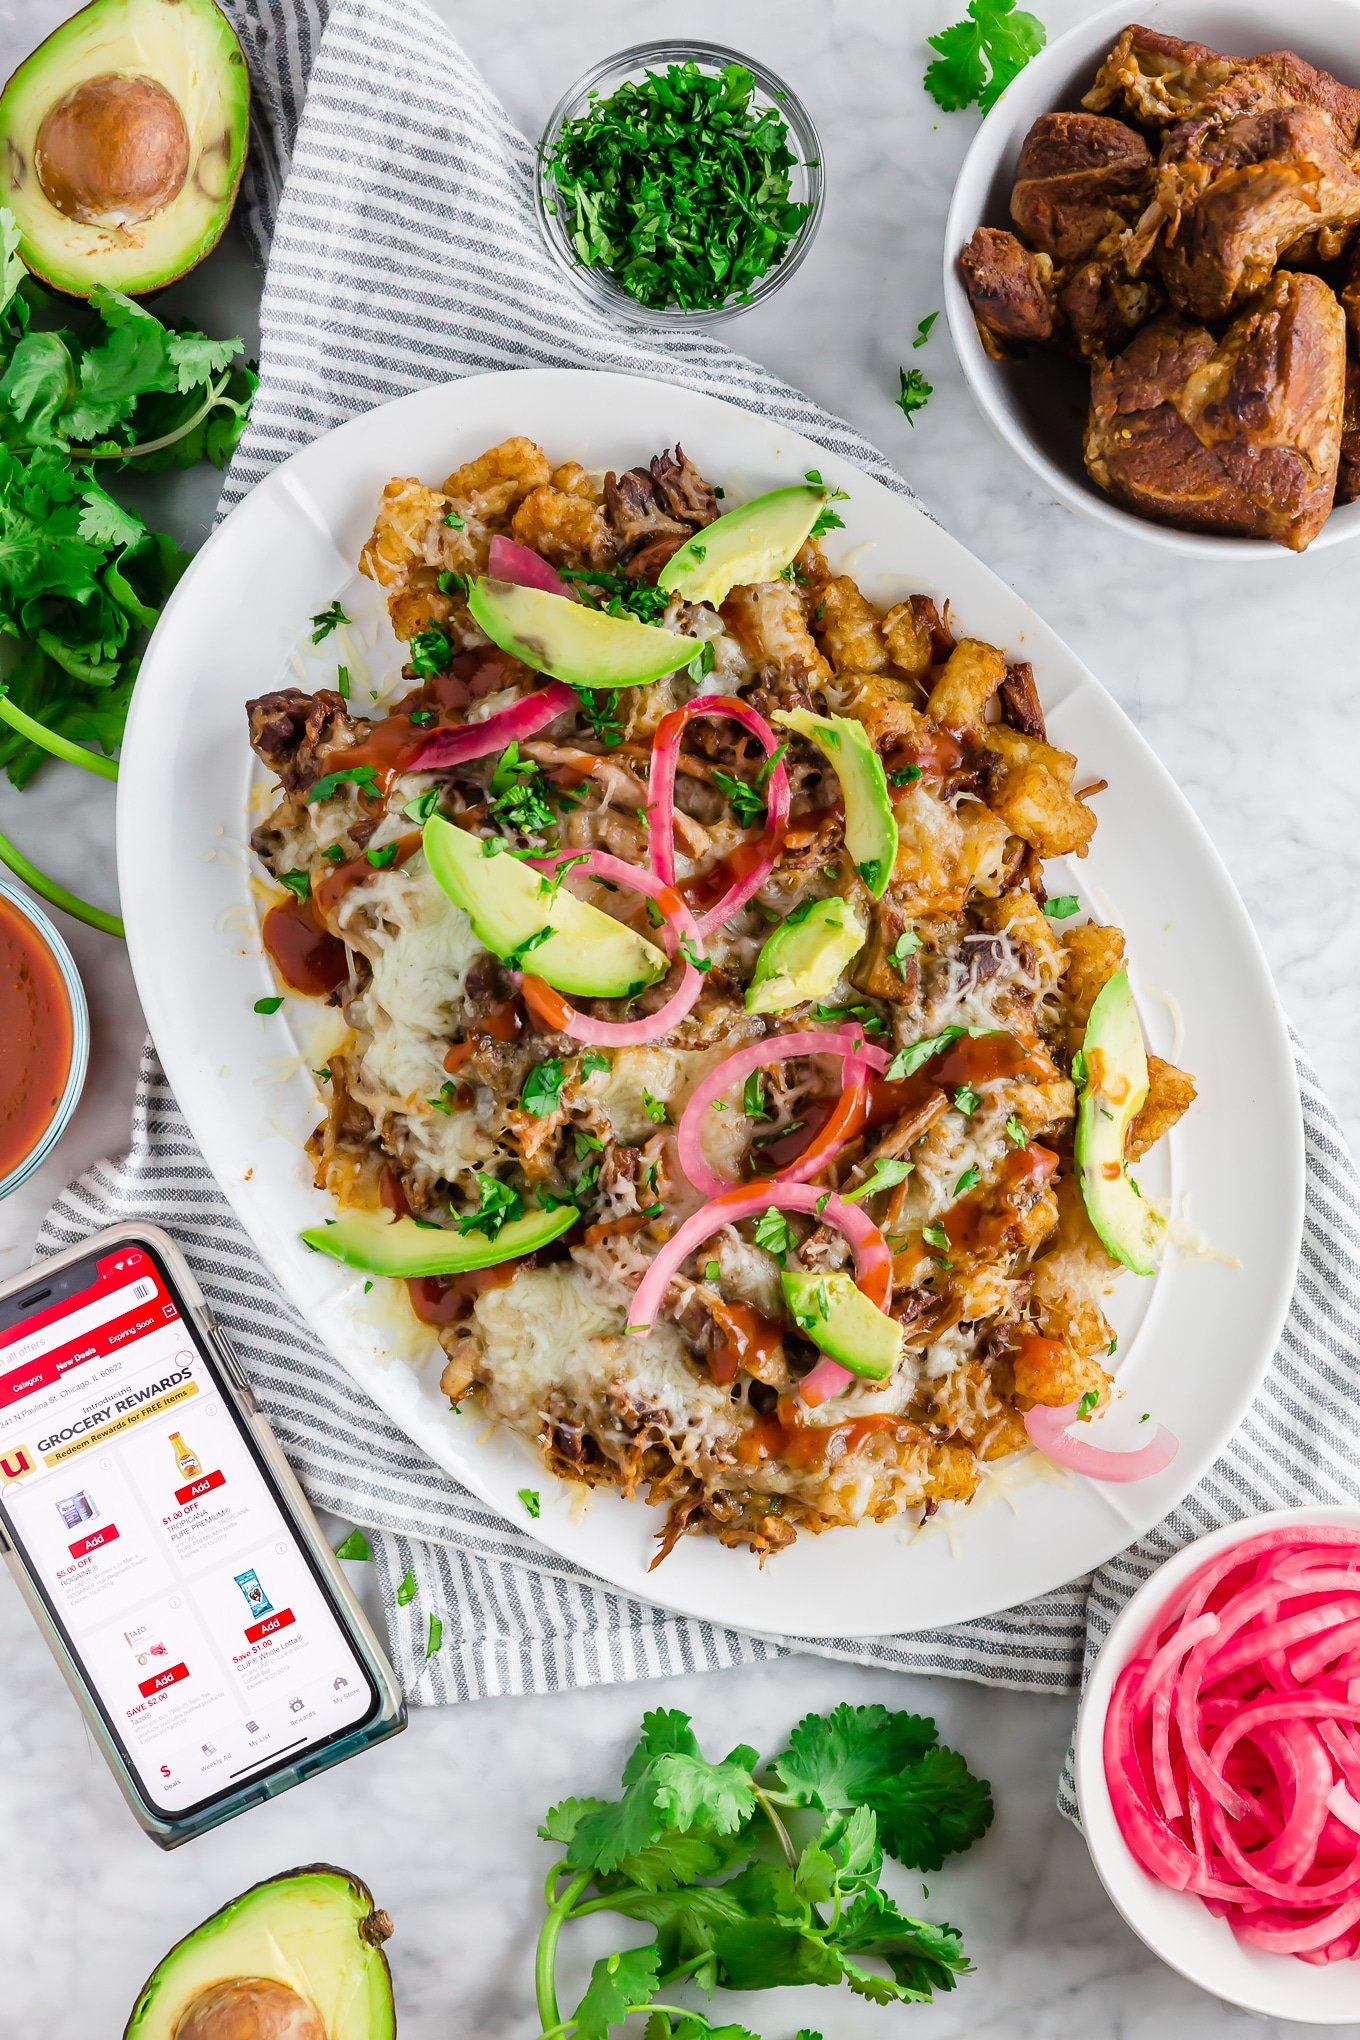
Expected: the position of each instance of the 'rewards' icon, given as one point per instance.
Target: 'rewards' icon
(15, 1462)
(295, 1706)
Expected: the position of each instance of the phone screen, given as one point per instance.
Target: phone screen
(134, 1491)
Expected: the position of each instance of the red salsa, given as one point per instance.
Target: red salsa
(38, 1036)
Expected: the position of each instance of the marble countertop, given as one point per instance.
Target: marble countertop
(1241, 677)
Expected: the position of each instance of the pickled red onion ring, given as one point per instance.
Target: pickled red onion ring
(848, 1042)
(509, 561)
(1233, 1775)
(520, 719)
(873, 1258)
(679, 922)
(1049, 1434)
(661, 799)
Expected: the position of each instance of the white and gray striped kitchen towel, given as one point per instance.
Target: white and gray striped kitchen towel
(396, 208)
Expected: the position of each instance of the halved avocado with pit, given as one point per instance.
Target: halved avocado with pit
(122, 141)
(584, 647)
(298, 1957)
(379, 1244)
(753, 543)
(537, 926)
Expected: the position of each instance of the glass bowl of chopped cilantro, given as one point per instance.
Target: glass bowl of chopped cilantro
(679, 184)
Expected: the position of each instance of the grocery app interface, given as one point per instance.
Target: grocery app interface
(128, 1483)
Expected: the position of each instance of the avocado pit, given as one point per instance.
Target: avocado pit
(250, 2008)
(114, 151)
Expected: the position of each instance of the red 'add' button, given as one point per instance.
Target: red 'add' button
(96, 1538)
(172, 1677)
(204, 1486)
(282, 1618)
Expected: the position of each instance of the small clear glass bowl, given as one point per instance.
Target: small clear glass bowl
(80, 1037)
(807, 184)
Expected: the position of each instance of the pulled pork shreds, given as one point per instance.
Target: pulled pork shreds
(449, 1083)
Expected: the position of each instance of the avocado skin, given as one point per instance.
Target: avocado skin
(1129, 1229)
(157, 2010)
(198, 34)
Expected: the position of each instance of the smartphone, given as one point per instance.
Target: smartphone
(165, 1547)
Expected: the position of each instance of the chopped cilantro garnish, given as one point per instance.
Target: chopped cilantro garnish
(923, 330)
(542, 1091)
(905, 775)
(431, 652)
(692, 956)
(1113, 1346)
(599, 710)
(746, 804)
(454, 521)
(362, 776)
(334, 853)
(592, 1061)
(910, 1059)
(869, 1018)
(298, 883)
(774, 1233)
(355, 1546)
(678, 184)
(903, 950)
(420, 717)
(1089, 1402)
(449, 583)
(516, 956)
(966, 1100)
(971, 1175)
(444, 1102)
(423, 806)
(329, 620)
(753, 1096)
(380, 859)
(1062, 906)
(914, 394)
(701, 664)
(342, 682)
(434, 1636)
(406, 1592)
(497, 1202)
(936, 1236)
(711, 1271)
(978, 56)
(530, 1498)
(268, 1005)
(885, 1173)
(655, 1109)
(1016, 1131)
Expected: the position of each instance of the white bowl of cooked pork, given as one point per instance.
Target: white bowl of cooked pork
(1152, 273)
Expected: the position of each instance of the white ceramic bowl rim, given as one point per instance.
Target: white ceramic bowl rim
(1006, 392)
(80, 1036)
(1176, 1926)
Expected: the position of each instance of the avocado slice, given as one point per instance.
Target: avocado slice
(870, 824)
(803, 958)
(587, 953)
(122, 140)
(839, 1318)
(582, 646)
(754, 543)
(1113, 1076)
(300, 1954)
(381, 1245)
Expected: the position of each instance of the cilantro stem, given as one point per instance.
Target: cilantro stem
(49, 740)
(766, 1805)
(545, 1957)
(166, 439)
(57, 895)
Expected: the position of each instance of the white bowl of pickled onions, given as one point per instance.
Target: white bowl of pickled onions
(1218, 1764)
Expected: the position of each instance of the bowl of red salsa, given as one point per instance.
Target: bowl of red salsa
(44, 1033)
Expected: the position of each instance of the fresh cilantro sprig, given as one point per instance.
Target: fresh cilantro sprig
(978, 56)
(914, 393)
(85, 393)
(754, 1876)
(678, 185)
